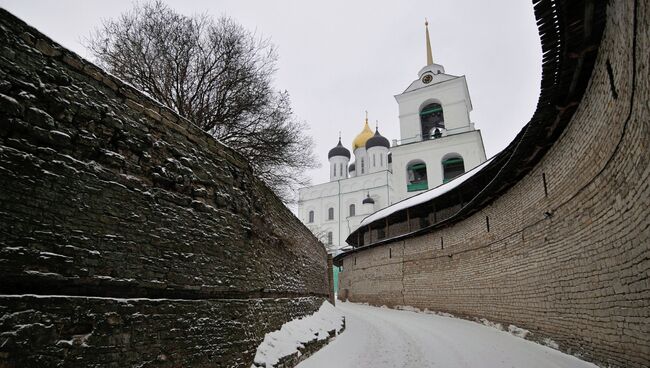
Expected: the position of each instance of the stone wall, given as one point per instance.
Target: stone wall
(127, 234)
(569, 262)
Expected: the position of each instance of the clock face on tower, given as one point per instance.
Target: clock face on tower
(426, 79)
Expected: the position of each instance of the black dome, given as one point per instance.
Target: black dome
(377, 140)
(339, 150)
(368, 200)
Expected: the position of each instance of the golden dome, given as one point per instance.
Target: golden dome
(362, 138)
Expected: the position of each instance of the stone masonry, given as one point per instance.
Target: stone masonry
(571, 262)
(128, 236)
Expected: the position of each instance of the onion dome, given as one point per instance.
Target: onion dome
(377, 140)
(362, 138)
(339, 150)
(368, 200)
(351, 168)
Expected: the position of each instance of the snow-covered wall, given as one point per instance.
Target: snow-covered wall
(127, 235)
(564, 252)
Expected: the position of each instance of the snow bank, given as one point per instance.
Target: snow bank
(425, 196)
(494, 325)
(294, 334)
(518, 331)
(408, 308)
(551, 344)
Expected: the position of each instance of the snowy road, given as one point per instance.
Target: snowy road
(381, 337)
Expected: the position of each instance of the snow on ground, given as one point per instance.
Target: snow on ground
(293, 334)
(383, 337)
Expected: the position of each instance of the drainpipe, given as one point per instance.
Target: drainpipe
(339, 221)
(387, 188)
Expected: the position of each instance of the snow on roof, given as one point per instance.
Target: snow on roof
(425, 196)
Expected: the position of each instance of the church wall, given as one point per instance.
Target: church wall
(319, 198)
(127, 234)
(571, 265)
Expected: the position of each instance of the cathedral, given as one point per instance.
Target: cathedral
(438, 142)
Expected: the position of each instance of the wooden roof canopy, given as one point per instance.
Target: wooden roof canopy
(570, 34)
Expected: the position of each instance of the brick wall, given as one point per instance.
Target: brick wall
(139, 237)
(573, 265)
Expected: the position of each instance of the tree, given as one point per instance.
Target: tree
(216, 74)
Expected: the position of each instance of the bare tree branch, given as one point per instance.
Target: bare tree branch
(218, 75)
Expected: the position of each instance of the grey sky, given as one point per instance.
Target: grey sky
(340, 58)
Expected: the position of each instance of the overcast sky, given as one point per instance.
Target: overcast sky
(340, 58)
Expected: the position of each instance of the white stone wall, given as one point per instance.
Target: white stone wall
(339, 195)
(377, 159)
(468, 145)
(360, 161)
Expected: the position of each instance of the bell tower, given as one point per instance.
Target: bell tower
(435, 104)
(438, 141)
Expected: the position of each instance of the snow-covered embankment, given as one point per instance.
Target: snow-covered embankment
(299, 338)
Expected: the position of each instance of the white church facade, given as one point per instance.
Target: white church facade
(437, 143)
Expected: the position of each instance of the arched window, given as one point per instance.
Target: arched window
(381, 160)
(311, 217)
(374, 160)
(330, 236)
(452, 166)
(362, 165)
(431, 118)
(352, 210)
(341, 169)
(416, 176)
(330, 213)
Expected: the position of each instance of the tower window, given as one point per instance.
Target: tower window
(311, 217)
(452, 166)
(416, 175)
(341, 169)
(330, 236)
(431, 118)
(330, 213)
(381, 160)
(362, 166)
(352, 210)
(374, 160)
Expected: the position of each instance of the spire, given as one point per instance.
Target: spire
(366, 116)
(429, 56)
